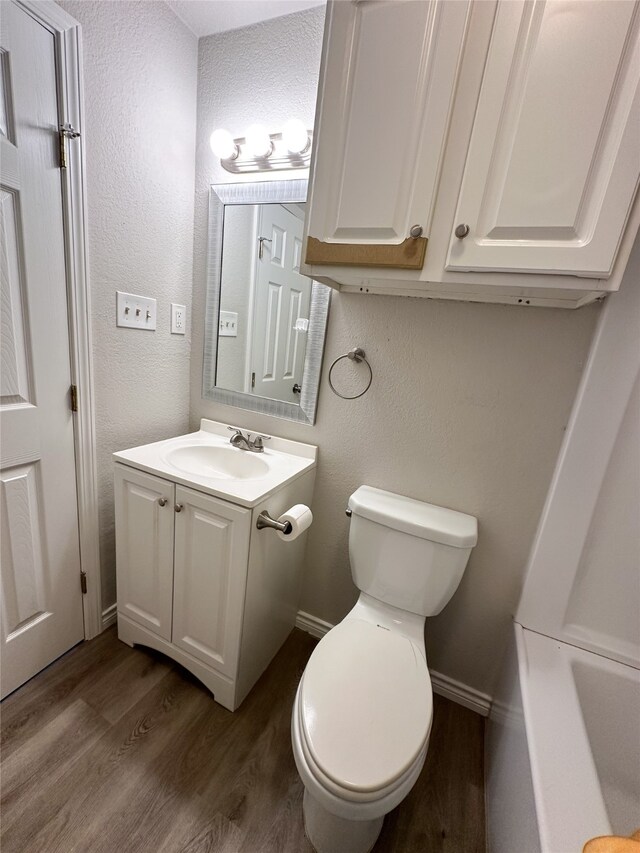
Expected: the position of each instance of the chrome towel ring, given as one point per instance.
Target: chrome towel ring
(357, 355)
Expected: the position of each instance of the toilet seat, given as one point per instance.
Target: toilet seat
(364, 710)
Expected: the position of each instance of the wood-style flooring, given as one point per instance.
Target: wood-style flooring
(118, 749)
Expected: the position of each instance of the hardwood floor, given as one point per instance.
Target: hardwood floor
(119, 749)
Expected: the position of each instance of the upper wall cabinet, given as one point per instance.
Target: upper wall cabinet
(389, 72)
(483, 150)
(553, 163)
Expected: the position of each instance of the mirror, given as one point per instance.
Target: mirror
(265, 321)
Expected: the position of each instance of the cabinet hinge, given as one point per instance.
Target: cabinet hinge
(65, 131)
(73, 395)
(83, 582)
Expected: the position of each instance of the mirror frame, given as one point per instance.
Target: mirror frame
(264, 192)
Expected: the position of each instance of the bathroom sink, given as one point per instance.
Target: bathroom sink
(226, 463)
(205, 460)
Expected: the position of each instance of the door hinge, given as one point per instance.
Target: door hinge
(73, 394)
(83, 582)
(66, 131)
(253, 380)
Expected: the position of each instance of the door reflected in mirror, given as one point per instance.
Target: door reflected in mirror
(266, 321)
(264, 301)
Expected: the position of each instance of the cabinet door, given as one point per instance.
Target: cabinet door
(211, 555)
(388, 74)
(553, 163)
(144, 548)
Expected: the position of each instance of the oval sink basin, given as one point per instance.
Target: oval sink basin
(224, 463)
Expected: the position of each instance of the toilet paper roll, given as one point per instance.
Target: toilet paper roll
(299, 517)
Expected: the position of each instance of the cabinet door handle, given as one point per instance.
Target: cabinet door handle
(162, 501)
(461, 231)
(179, 507)
(415, 231)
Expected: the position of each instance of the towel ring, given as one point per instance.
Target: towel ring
(357, 355)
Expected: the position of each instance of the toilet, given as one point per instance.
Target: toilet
(362, 714)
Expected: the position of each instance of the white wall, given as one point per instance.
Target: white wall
(140, 67)
(468, 403)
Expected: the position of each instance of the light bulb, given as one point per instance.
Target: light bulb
(295, 136)
(258, 141)
(222, 145)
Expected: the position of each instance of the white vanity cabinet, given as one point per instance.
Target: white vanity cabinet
(197, 580)
(515, 124)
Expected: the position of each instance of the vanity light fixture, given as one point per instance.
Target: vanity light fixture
(261, 151)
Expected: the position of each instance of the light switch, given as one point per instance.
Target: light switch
(228, 324)
(135, 312)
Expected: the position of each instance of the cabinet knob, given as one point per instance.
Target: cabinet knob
(415, 231)
(461, 231)
(162, 501)
(179, 507)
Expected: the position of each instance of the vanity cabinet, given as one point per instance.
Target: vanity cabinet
(197, 581)
(508, 131)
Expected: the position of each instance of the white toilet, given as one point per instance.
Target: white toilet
(362, 714)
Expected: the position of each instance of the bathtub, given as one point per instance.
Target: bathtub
(562, 749)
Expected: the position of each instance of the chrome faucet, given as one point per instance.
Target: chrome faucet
(244, 442)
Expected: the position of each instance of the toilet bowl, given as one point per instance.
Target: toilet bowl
(363, 710)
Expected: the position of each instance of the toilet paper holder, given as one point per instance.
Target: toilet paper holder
(265, 520)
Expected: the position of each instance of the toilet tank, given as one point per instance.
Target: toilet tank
(408, 553)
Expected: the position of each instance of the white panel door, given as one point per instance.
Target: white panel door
(389, 74)
(554, 158)
(211, 554)
(41, 610)
(282, 297)
(144, 548)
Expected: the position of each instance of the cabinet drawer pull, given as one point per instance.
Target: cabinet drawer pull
(461, 231)
(179, 507)
(415, 231)
(162, 501)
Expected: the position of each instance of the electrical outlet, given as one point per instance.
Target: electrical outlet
(135, 312)
(178, 319)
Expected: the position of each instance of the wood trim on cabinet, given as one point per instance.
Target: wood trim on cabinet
(408, 255)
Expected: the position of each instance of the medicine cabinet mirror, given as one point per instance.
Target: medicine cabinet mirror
(265, 321)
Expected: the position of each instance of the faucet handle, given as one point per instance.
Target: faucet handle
(259, 439)
(235, 430)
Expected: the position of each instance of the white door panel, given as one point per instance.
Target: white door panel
(282, 297)
(553, 163)
(41, 609)
(211, 553)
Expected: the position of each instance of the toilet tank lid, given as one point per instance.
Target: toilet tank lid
(436, 523)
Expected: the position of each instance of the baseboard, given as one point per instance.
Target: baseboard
(109, 616)
(312, 625)
(464, 695)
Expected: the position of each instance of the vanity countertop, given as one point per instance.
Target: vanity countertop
(206, 461)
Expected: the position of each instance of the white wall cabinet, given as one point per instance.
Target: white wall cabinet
(198, 581)
(518, 120)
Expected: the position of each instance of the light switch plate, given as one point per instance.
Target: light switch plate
(178, 319)
(228, 324)
(135, 312)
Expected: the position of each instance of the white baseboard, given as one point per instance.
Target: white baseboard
(109, 616)
(464, 695)
(312, 625)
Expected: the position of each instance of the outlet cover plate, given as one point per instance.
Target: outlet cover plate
(178, 319)
(135, 312)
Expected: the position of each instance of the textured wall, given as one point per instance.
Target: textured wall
(468, 404)
(140, 67)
